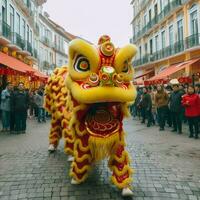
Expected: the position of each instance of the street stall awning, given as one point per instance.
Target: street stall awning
(40, 75)
(165, 74)
(144, 74)
(15, 64)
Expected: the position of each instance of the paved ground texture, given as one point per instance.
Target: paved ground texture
(167, 166)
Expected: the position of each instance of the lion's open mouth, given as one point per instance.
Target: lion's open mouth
(103, 119)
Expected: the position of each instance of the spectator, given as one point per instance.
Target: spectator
(176, 106)
(152, 93)
(31, 107)
(12, 112)
(146, 106)
(197, 88)
(21, 103)
(161, 102)
(191, 102)
(5, 107)
(39, 100)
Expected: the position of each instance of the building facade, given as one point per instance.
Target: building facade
(167, 34)
(27, 34)
(53, 44)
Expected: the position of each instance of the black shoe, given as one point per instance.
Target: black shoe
(174, 130)
(142, 122)
(196, 137)
(190, 136)
(161, 129)
(180, 132)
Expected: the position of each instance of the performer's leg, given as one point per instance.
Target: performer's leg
(69, 139)
(55, 134)
(82, 160)
(119, 164)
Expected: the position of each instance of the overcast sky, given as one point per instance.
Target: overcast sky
(92, 18)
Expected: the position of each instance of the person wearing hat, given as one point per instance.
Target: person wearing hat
(175, 106)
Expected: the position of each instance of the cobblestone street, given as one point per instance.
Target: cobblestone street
(167, 166)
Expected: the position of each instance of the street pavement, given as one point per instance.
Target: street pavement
(167, 166)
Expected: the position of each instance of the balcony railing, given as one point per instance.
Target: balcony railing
(35, 53)
(29, 47)
(5, 30)
(17, 40)
(45, 64)
(165, 12)
(46, 40)
(177, 47)
(193, 40)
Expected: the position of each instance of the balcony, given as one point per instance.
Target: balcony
(5, 33)
(178, 47)
(16, 42)
(45, 65)
(193, 40)
(168, 9)
(25, 7)
(46, 41)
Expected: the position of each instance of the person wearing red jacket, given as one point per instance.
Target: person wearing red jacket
(191, 102)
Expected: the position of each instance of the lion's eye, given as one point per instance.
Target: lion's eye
(126, 67)
(81, 64)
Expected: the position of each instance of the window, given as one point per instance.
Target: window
(163, 39)
(31, 36)
(171, 35)
(151, 46)
(156, 10)
(18, 23)
(194, 20)
(156, 43)
(12, 18)
(145, 20)
(27, 33)
(150, 15)
(4, 11)
(180, 29)
(140, 49)
(161, 5)
(23, 29)
(146, 48)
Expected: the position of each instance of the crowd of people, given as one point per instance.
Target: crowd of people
(170, 105)
(17, 104)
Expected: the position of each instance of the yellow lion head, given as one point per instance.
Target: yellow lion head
(100, 73)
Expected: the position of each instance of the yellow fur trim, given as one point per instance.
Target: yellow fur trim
(124, 54)
(72, 174)
(125, 183)
(81, 159)
(78, 132)
(78, 143)
(101, 148)
(80, 171)
(123, 171)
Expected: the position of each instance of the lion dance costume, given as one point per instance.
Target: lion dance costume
(88, 100)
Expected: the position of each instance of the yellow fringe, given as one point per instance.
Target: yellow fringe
(78, 132)
(101, 148)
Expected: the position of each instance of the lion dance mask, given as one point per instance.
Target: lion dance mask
(88, 100)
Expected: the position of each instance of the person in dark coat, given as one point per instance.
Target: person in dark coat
(20, 105)
(176, 106)
(146, 106)
(161, 102)
(191, 102)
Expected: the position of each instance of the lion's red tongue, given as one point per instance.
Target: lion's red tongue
(103, 120)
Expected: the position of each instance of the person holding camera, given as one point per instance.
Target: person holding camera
(5, 107)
